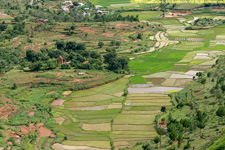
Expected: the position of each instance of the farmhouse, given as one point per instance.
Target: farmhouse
(60, 60)
(99, 12)
(81, 73)
(65, 8)
(67, 2)
(40, 20)
(97, 7)
(81, 4)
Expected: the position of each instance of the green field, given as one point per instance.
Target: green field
(143, 15)
(109, 2)
(156, 61)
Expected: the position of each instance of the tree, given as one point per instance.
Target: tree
(14, 86)
(118, 43)
(113, 42)
(72, 27)
(219, 95)
(100, 44)
(75, 3)
(185, 123)
(163, 109)
(187, 146)
(161, 132)
(157, 140)
(139, 36)
(209, 74)
(203, 81)
(201, 118)
(65, 66)
(180, 138)
(147, 146)
(199, 74)
(221, 112)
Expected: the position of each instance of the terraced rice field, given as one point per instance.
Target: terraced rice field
(87, 116)
(136, 121)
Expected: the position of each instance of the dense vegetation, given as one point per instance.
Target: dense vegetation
(197, 114)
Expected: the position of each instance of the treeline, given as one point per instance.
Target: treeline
(75, 55)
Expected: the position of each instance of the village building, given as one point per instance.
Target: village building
(81, 4)
(97, 7)
(60, 60)
(81, 73)
(40, 20)
(65, 8)
(67, 2)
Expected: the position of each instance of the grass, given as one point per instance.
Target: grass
(137, 80)
(143, 15)
(109, 2)
(156, 61)
(97, 144)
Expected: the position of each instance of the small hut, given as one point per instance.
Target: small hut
(60, 60)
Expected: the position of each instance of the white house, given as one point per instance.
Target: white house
(81, 4)
(97, 6)
(67, 2)
(86, 8)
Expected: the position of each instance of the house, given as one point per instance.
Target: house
(40, 20)
(81, 73)
(60, 60)
(67, 2)
(99, 12)
(65, 8)
(81, 4)
(86, 14)
(97, 7)
(86, 8)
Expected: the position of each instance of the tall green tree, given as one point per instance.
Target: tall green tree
(160, 132)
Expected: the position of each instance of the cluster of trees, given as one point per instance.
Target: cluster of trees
(11, 31)
(78, 56)
(114, 17)
(178, 129)
(210, 85)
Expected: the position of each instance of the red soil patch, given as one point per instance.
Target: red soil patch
(4, 16)
(199, 94)
(45, 132)
(218, 10)
(31, 114)
(58, 103)
(18, 44)
(32, 128)
(24, 130)
(175, 143)
(51, 92)
(77, 80)
(108, 34)
(87, 29)
(121, 25)
(40, 125)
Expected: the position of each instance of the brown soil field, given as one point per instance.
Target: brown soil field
(121, 25)
(58, 102)
(45, 132)
(155, 80)
(87, 29)
(97, 127)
